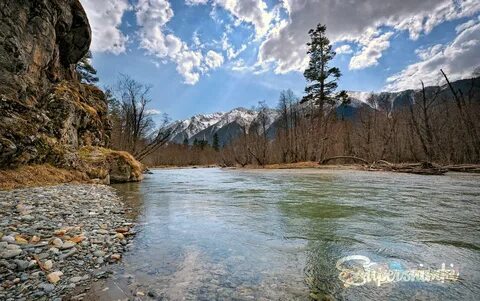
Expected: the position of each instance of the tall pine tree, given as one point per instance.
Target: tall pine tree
(321, 76)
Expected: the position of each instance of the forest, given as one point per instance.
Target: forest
(434, 124)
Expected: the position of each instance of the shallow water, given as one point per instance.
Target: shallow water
(213, 234)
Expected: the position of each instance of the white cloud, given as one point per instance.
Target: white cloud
(195, 2)
(457, 59)
(371, 52)
(426, 53)
(196, 40)
(348, 20)
(189, 66)
(467, 24)
(153, 112)
(105, 19)
(229, 49)
(253, 12)
(344, 49)
(239, 66)
(213, 59)
(152, 16)
(232, 53)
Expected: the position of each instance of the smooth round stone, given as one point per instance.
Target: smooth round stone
(76, 279)
(47, 287)
(57, 242)
(11, 253)
(67, 245)
(9, 239)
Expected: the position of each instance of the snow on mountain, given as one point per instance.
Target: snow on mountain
(359, 98)
(226, 125)
(182, 129)
(231, 124)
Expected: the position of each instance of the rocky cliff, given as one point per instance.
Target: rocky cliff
(46, 114)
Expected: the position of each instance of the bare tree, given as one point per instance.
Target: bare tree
(133, 125)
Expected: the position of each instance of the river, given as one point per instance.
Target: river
(216, 234)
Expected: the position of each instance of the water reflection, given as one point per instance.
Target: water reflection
(210, 234)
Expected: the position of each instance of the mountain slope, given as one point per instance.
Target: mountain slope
(232, 124)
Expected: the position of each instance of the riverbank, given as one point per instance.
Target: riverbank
(298, 165)
(54, 239)
(39, 175)
(306, 165)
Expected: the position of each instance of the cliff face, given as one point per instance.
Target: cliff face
(46, 114)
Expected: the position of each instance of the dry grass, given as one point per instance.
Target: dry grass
(38, 175)
(99, 159)
(137, 167)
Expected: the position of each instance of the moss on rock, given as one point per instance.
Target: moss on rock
(117, 166)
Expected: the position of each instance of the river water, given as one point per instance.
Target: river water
(223, 234)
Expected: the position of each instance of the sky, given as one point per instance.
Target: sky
(204, 56)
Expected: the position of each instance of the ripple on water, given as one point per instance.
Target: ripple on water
(276, 235)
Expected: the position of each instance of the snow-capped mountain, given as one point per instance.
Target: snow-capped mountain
(227, 125)
(231, 124)
(188, 128)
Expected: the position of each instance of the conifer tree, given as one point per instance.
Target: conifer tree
(321, 76)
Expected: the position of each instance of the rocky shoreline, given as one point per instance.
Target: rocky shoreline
(54, 239)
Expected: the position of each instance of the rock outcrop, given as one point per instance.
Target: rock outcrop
(46, 114)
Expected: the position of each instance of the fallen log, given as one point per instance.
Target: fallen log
(424, 168)
(421, 168)
(473, 168)
(345, 158)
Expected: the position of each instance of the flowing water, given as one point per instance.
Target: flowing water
(214, 234)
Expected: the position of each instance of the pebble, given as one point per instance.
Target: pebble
(48, 265)
(116, 256)
(50, 243)
(22, 265)
(66, 255)
(34, 239)
(67, 245)
(76, 279)
(13, 247)
(47, 287)
(11, 253)
(9, 239)
(54, 277)
(57, 242)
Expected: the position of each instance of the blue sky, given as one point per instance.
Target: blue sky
(204, 56)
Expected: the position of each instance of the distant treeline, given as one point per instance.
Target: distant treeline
(439, 125)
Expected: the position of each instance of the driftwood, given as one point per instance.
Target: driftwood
(424, 168)
(345, 158)
(474, 168)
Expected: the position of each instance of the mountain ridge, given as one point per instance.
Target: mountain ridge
(229, 125)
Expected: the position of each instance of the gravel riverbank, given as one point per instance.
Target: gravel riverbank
(53, 239)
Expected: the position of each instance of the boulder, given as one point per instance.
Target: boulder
(46, 114)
